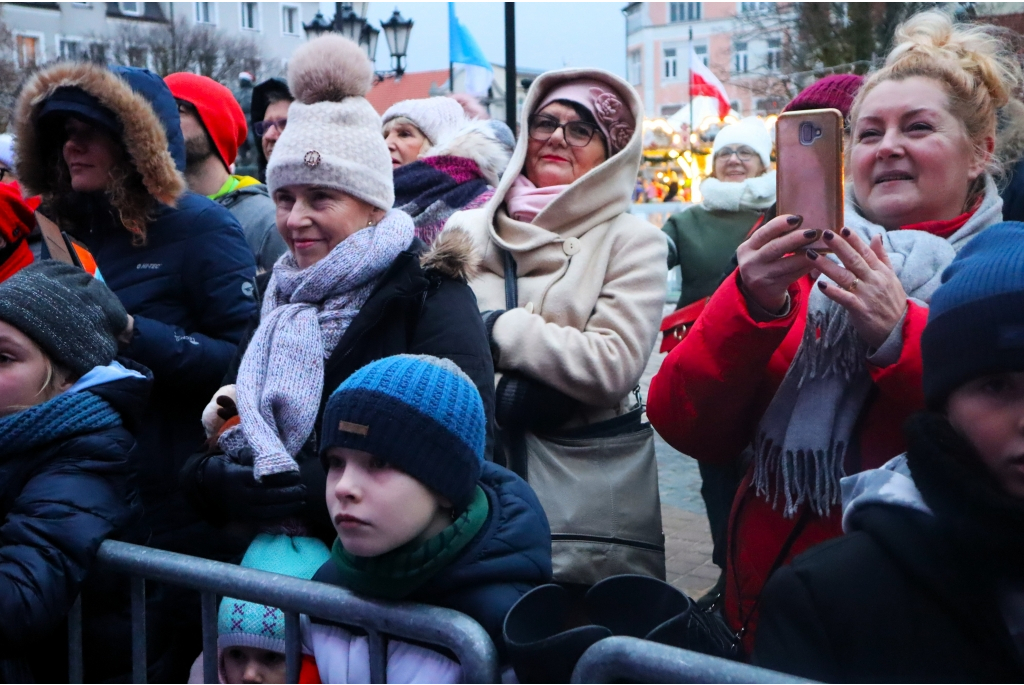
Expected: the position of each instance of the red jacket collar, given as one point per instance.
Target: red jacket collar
(944, 229)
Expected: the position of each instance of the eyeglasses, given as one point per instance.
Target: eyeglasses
(576, 133)
(261, 127)
(745, 154)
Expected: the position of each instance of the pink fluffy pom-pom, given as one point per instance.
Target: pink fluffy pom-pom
(329, 68)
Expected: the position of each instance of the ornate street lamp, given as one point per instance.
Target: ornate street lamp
(318, 27)
(349, 20)
(396, 31)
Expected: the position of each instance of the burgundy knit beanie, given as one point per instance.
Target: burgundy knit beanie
(218, 110)
(831, 92)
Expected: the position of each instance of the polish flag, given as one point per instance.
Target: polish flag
(704, 82)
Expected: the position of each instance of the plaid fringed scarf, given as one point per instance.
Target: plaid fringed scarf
(432, 189)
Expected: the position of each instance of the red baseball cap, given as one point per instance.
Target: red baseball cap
(218, 110)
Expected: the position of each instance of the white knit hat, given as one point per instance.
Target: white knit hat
(750, 132)
(437, 118)
(333, 135)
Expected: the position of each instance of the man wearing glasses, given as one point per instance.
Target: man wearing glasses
(213, 125)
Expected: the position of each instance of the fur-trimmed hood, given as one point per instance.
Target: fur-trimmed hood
(489, 143)
(144, 107)
(452, 255)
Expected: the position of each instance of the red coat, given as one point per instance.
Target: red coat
(710, 394)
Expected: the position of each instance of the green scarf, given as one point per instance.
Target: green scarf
(398, 573)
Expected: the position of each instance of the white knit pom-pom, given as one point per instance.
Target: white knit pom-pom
(329, 68)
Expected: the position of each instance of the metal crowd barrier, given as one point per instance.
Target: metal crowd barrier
(629, 659)
(458, 633)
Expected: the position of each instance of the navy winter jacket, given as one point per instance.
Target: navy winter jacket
(190, 291)
(510, 556)
(58, 503)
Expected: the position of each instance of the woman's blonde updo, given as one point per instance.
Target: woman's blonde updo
(974, 63)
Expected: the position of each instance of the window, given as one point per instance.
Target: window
(633, 19)
(138, 57)
(635, 67)
(29, 49)
(684, 11)
(739, 63)
(290, 20)
(754, 7)
(132, 8)
(702, 53)
(670, 63)
(251, 16)
(669, 110)
(206, 13)
(98, 53)
(773, 58)
(70, 49)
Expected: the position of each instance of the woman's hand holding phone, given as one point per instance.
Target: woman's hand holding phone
(773, 258)
(868, 286)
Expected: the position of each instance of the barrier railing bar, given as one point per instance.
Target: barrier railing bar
(464, 637)
(630, 659)
(378, 657)
(139, 670)
(208, 608)
(292, 647)
(76, 672)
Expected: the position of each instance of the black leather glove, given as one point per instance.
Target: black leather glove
(239, 497)
(521, 403)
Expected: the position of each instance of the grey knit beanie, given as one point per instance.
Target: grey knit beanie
(437, 118)
(72, 316)
(333, 136)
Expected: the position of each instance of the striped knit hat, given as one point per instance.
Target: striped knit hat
(248, 624)
(420, 414)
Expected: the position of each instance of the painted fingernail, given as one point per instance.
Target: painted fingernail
(810, 233)
(822, 285)
(811, 254)
(794, 220)
(828, 235)
(845, 232)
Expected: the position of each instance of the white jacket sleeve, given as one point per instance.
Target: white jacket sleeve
(343, 657)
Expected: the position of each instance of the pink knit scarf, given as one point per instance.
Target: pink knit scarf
(524, 201)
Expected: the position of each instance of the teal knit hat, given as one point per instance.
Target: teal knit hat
(418, 413)
(247, 624)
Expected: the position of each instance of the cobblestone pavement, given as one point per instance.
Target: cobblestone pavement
(687, 536)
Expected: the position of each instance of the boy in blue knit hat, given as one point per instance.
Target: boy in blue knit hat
(927, 585)
(420, 515)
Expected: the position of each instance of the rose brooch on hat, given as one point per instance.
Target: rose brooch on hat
(312, 159)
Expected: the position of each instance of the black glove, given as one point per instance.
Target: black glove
(521, 403)
(240, 498)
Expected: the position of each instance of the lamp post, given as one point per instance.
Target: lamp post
(350, 21)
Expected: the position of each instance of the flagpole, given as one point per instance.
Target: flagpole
(689, 79)
(510, 66)
(451, 65)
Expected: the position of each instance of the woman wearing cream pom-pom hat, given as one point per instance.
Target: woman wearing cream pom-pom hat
(355, 286)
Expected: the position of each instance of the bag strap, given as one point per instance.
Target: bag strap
(794, 533)
(511, 282)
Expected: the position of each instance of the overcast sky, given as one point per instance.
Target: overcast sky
(548, 34)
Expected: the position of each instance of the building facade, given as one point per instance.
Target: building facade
(47, 31)
(727, 36)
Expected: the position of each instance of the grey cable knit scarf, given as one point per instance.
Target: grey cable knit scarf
(305, 312)
(801, 441)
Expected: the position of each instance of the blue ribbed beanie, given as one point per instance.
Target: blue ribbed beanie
(420, 414)
(976, 317)
(248, 624)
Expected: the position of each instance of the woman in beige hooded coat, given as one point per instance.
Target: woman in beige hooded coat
(590, 277)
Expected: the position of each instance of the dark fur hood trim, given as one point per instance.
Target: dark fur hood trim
(452, 255)
(144, 137)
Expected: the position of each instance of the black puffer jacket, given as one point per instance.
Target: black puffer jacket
(920, 589)
(58, 503)
(421, 305)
